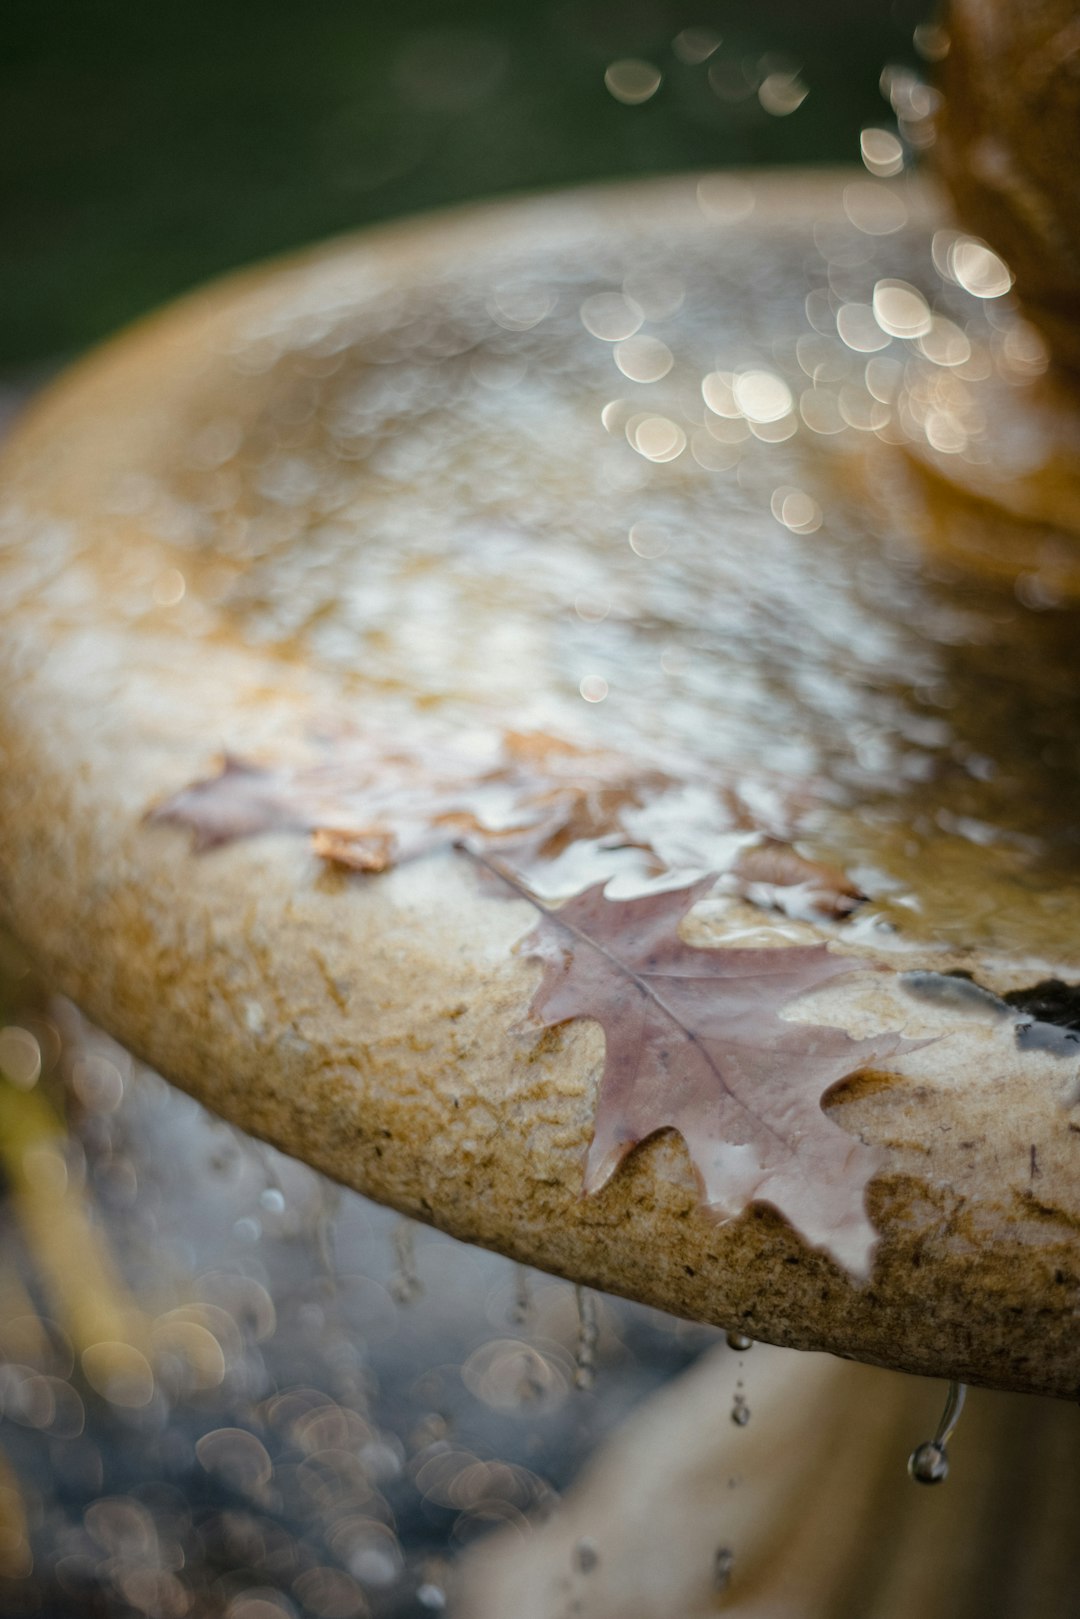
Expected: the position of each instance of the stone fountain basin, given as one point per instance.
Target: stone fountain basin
(425, 474)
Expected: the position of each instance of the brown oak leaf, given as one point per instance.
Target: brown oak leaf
(695, 1043)
(773, 874)
(371, 802)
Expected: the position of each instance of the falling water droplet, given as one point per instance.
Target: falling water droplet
(325, 1226)
(405, 1285)
(521, 1309)
(929, 1462)
(723, 1563)
(586, 1556)
(740, 1411)
(739, 1341)
(588, 1331)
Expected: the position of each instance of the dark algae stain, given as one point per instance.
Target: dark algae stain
(957, 990)
(1049, 1001)
(1049, 1011)
(1050, 1017)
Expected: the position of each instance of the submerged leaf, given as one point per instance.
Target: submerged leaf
(695, 1043)
(374, 801)
(772, 873)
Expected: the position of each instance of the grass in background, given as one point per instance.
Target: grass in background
(148, 146)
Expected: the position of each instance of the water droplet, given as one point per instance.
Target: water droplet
(723, 1564)
(591, 609)
(20, 1057)
(657, 438)
(873, 208)
(978, 268)
(739, 1341)
(643, 359)
(882, 152)
(696, 45)
(507, 1375)
(724, 200)
(326, 1230)
(858, 329)
(169, 588)
(586, 1556)
(611, 317)
(521, 1309)
(632, 81)
(740, 1411)
(761, 396)
(945, 344)
(931, 41)
(588, 1332)
(718, 393)
(406, 1284)
(97, 1082)
(797, 510)
(519, 306)
(900, 309)
(120, 1373)
(237, 1456)
(648, 540)
(782, 93)
(928, 1463)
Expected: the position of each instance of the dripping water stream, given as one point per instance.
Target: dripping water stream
(929, 1462)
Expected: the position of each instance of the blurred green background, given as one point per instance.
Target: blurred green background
(147, 146)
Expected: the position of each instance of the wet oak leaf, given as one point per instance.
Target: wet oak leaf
(771, 873)
(695, 1042)
(372, 802)
(242, 800)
